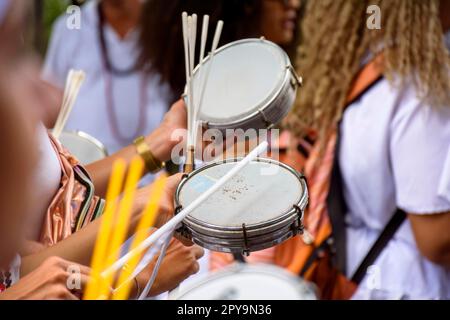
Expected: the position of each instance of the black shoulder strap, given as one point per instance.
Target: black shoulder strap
(386, 235)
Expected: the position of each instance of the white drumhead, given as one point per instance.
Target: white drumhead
(84, 147)
(252, 282)
(260, 192)
(244, 76)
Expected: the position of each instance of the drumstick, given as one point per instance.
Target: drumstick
(75, 80)
(73, 83)
(192, 42)
(148, 219)
(191, 35)
(150, 282)
(184, 17)
(101, 244)
(173, 223)
(123, 219)
(215, 43)
(204, 38)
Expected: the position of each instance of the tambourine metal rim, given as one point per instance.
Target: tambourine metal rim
(238, 268)
(89, 138)
(290, 74)
(252, 229)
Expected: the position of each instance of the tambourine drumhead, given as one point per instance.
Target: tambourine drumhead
(83, 146)
(246, 76)
(249, 282)
(250, 197)
(260, 207)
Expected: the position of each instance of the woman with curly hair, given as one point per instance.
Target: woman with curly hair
(390, 143)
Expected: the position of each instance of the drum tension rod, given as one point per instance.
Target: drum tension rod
(245, 251)
(267, 123)
(181, 230)
(298, 229)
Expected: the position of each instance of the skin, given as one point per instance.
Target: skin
(122, 15)
(432, 231)
(26, 89)
(279, 21)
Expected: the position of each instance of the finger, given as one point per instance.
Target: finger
(179, 106)
(71, 296)
(172, 183)
(198, 252)
(185, 241)
(72, 267)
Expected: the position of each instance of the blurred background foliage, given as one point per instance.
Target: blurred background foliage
(45, 14)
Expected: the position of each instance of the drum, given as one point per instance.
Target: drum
(251, 84)
(260, 207)
(84, 147)
(248, 282)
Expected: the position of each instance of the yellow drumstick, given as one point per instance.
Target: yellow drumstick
(98, 258)
(148, 219)
(122, 223)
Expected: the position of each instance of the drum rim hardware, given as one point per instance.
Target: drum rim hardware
(284, 226)
(300, 285)
(89, 138)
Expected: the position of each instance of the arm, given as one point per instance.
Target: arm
(432, 234)
(160, 142)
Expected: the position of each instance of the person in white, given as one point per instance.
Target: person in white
(394, 140)
(117, 102)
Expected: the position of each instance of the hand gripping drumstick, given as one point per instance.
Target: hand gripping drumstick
(173, 223)
(148, 219)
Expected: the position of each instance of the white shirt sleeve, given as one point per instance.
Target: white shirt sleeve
(420, 156)
(56, 62)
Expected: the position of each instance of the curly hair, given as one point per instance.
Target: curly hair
(336, 41)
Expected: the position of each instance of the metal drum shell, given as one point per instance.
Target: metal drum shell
(301, 290)
(87, 140)
(271, 111)
(259, 236)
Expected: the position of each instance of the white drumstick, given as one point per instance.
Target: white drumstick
(192, 27)
(75, 80)
(73, 84)
(204, 37)
(184, 18)
(173, 223)
(150, 282)
(215, 43)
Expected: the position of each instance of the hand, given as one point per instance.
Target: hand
(179, 263)
(161, 141)
(166, 204)
(49, 282)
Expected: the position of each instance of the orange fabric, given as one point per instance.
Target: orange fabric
(294, 253)
(61, 216)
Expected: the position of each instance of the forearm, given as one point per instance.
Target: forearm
(77, 248)
(101, 170)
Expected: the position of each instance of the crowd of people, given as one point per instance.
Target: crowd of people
(370, 129)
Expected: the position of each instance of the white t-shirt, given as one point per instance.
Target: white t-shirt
(395, 153)
(81, 49)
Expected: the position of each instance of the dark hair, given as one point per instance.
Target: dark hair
(161, 37)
